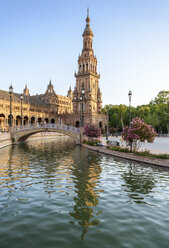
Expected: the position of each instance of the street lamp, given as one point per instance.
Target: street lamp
(82, 106)
(107, 124)
(130, 95)
(10, 116)
(116, 126)
(21, 98)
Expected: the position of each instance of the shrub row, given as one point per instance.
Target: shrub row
(142, 153)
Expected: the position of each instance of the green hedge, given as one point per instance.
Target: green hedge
(143, 153)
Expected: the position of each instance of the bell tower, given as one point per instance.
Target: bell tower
(87, 76)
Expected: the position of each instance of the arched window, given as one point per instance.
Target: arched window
(77, 124)
(2, 121)
(39, 120)
(32, 120)
(25, 121)
(46, 120)
(18, 120)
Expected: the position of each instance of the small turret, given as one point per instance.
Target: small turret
(70, 93)
(50, 89)
(26, 94)
(26, 91)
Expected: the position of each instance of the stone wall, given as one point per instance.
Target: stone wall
(5, 140)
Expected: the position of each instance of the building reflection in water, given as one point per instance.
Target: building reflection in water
(138, 181)
(12, 165)
(86, 173)
(54, 167)
(20, 164)
(49, 159)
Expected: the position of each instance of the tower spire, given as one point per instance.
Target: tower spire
(88, 18)
(87, 31)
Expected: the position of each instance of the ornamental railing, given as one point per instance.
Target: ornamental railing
(45, 126)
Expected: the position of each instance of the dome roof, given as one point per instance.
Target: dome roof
(87, 30)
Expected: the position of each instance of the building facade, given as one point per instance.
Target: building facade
(48, 107)
(51, 107)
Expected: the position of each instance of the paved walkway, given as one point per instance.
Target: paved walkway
(160, 145)
(133, 157)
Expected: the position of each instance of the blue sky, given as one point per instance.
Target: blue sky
(41, 39)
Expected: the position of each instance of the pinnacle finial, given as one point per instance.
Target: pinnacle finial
(87, 19)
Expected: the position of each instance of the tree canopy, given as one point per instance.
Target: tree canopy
(156, 113)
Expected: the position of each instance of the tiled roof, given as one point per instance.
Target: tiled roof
(34, 100)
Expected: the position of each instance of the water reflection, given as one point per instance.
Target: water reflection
(69, 193)
(86, 173)
(138, 182)
(54, 167)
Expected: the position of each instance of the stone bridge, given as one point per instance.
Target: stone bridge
(20, 134)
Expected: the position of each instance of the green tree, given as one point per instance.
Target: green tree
(156, 113)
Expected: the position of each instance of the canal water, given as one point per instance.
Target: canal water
(53, 195)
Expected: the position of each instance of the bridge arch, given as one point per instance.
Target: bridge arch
(26, 136)
(21, 134)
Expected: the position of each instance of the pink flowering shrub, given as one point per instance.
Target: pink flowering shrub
(92, 131)
(138, 131)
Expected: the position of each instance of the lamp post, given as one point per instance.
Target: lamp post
(116, 126)
(107, 124)
(130, 95)
(21, 98)
(10, 94)
(82, 106)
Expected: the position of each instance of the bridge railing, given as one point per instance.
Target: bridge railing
(36, 126)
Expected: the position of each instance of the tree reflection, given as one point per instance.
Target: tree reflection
(138, 181)
(87, 173)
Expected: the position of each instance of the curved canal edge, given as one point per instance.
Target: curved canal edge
(132, 157)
